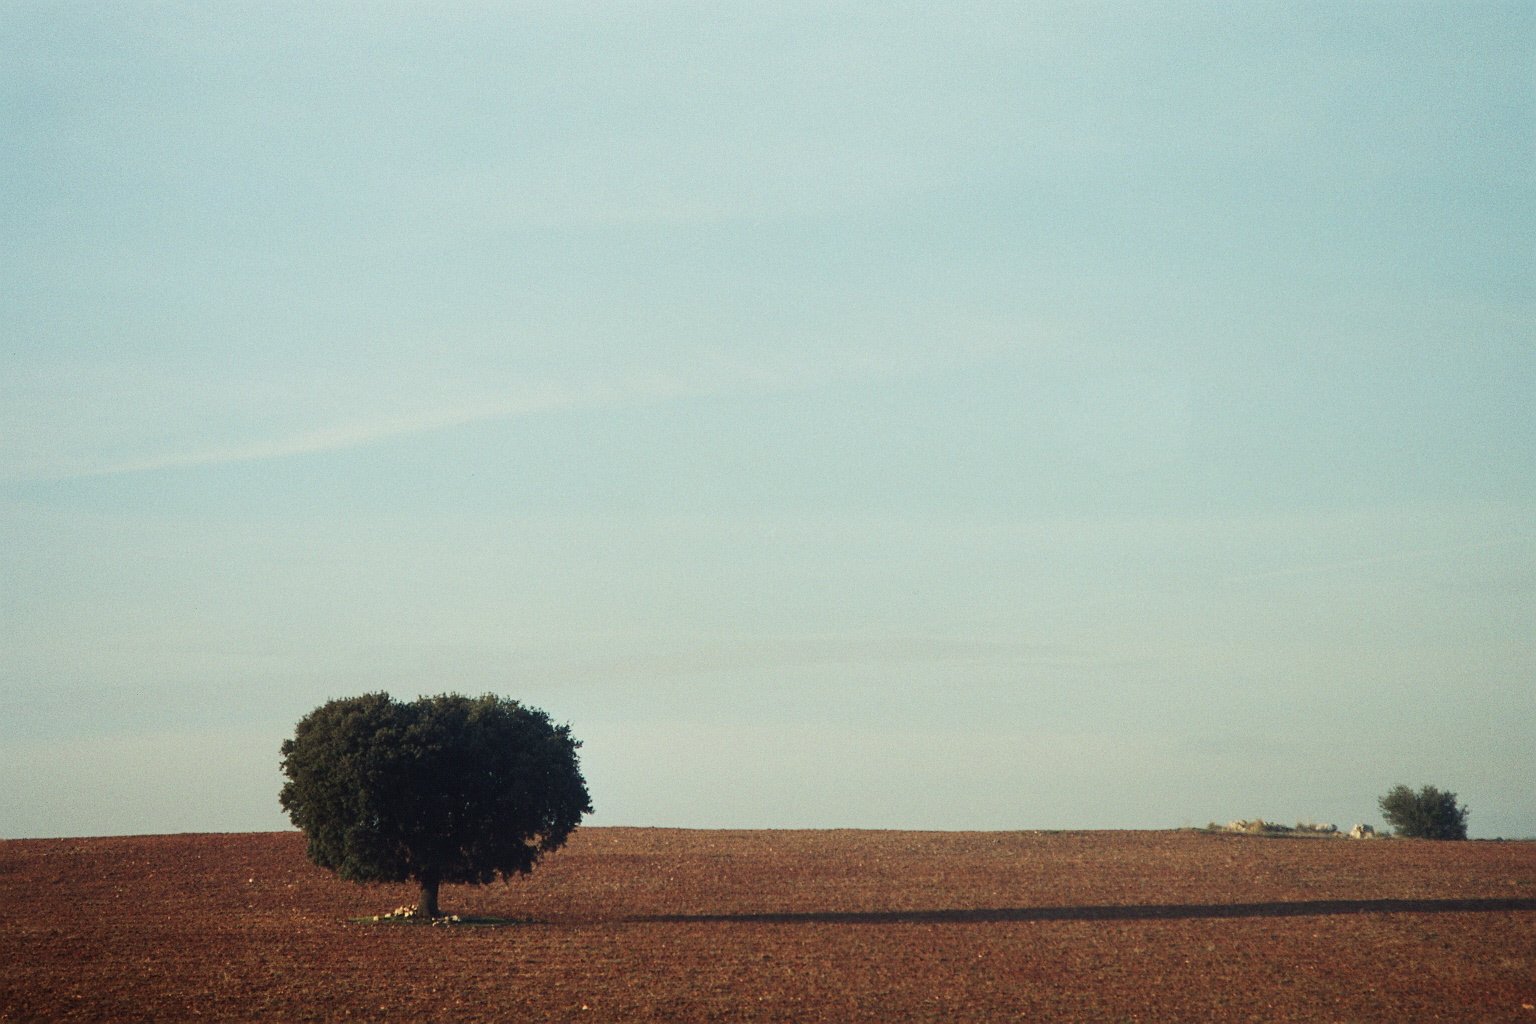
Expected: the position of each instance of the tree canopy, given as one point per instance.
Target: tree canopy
(441, 789)
(1427, 814)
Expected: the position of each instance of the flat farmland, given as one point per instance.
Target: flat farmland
(677, 925)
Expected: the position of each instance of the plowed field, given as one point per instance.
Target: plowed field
(668, 925)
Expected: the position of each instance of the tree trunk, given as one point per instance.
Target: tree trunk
(427, 905)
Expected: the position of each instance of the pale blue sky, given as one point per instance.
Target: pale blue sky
(951, 416)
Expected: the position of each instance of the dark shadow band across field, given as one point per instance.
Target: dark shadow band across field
(1108, 912)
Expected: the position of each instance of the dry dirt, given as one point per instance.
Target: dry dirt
(669, 925)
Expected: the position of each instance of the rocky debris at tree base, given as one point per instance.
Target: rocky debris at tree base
(409, 914)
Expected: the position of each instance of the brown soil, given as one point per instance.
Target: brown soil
(669, 925)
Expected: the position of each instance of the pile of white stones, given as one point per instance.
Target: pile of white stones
(1258, 826)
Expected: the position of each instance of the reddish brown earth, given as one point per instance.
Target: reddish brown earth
(664, 925)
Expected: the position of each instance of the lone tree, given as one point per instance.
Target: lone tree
(1427, 814)
(441, 789)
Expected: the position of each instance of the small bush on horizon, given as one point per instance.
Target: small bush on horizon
(1427, 814)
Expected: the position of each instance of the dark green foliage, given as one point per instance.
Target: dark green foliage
(441, 789)
(1427, 814)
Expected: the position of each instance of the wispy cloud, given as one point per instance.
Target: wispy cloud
(362, 431)
(103, 427)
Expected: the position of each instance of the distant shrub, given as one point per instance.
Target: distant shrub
(1427, 814)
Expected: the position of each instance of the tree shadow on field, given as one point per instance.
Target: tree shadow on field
(447, 921)
(1108, 912)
